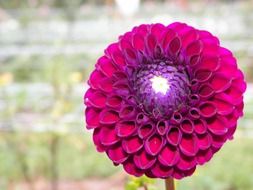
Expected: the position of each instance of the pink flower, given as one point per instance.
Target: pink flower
(164, 99)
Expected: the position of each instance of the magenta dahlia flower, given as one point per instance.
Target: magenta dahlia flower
(164, 99)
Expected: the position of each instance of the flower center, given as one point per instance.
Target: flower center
(160, 84)
(161, 88)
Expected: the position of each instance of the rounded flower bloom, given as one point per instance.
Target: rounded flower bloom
(164, 99)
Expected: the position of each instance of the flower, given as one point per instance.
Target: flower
(164, 99)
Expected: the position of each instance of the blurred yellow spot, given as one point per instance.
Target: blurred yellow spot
(6, 78)
(76, 77)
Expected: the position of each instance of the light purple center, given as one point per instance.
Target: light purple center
(164, 103)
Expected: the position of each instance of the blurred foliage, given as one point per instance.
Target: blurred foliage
(46, 69)
(134, 183)
(28, 156)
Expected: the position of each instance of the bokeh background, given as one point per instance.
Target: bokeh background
(47, 50)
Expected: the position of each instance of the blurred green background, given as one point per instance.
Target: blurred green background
(47, 50)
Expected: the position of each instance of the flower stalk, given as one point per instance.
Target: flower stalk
(169, 184)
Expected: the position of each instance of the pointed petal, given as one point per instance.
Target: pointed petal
(217, 125)
(125, 128)
(106, 67)
(146, 130)
(204, 156)
(186, 163)
(130, 168)
(92, 117)
(194, 48)
(162, 172)
(207, 109)
(114, 101)
(204, 141)
(108, 117)
(200, 126)
(169, 156)
(108, 136)
(187, 126)
(117, 154)
(162, 127)
(174, 136)
(97, 141)
(188, 145)
(154, 144)
(95, 79)
(132, 144)
(144, 161)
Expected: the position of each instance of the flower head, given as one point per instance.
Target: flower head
(164, 99)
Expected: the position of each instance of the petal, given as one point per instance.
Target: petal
(96, 99)
(217, 125)
(132, 144)
(210, 63)
(189, 36)
(108, 136)
(142, 29)
(162, 172)
(204, 156)
(117, 154)
(130, 168)
(206, 91)
(194, 48)
(145, 130)
(121, 88)
(195, 60)
(204, 141)
(92, 117)
(231, 131)
(174, 46)
(220, 83)
(96, 139)
(114, 101)
(194, 99)
(218, 140)
(95, 79)
(225, 52)
(223, 107)
(154, 144)
(200, 126)
(210, 48)
(108, 117)
(194, 113)
(176, 118)
(174, 136)
(125, 128)
(187, 126)
(203, 75)
(207, 109)
(188, 145)
(169, 156)
(151, 43)
(207, 35)
(144, 161)
(157, 30)
(186, 163)
(106, 85)
(162, 127)
(106, 67)
(138, 42)
(118, 59)
(127, 112)
(167, 37)
(141, 118)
